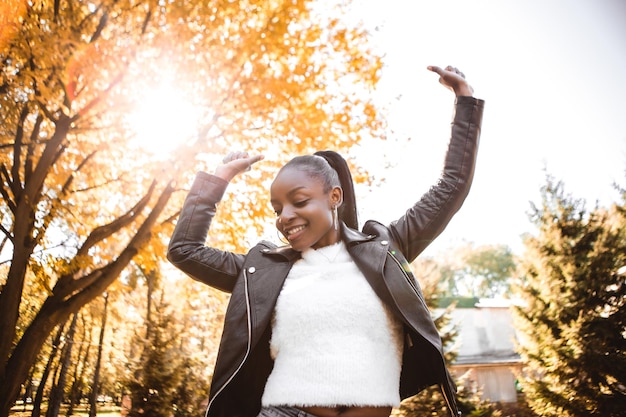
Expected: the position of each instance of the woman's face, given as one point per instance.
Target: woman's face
(304, 211)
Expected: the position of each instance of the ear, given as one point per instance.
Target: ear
(336, 196)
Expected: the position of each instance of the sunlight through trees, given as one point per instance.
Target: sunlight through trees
(82, 83)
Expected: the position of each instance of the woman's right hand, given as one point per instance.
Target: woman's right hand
(235, 163)
(453, 79)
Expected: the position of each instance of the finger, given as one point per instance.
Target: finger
(252, 160)
(255, 159)
(227, 158)
(435, 69)
(233, 156)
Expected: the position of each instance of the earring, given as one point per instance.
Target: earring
(281, 238)
(335, 218)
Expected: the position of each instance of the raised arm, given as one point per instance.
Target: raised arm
(187, 249)
(423, 222)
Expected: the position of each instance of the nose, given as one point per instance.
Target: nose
(286, 215)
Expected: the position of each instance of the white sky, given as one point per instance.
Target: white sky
(553, 75)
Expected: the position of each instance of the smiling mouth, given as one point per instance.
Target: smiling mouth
(293, 231)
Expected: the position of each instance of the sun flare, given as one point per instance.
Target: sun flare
(162, 120)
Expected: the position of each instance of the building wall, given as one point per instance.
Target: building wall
(487, 361)
(495, 383)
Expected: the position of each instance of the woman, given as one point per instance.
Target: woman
(334, 324)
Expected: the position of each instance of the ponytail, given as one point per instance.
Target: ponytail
(347, 211)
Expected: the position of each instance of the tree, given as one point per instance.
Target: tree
(482, 271)
(490, 269)
(46, 372)
(81, 199)
(191, 396)
(188, 318)
(430, 401)
(80, 366)
(159, 371)
(573, 319)
(57, 393)
(95, 386)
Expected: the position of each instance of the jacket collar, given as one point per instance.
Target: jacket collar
(348, 235)
(351, 236)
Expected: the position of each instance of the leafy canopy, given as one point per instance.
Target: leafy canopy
(84, 192)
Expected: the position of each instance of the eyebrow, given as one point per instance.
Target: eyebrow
(292, 191)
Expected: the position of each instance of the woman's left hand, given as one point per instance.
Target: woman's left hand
(235, 163)
(453, 79)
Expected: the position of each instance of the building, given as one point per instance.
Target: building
(487, 361)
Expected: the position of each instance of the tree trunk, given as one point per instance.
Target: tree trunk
(151, 278)
(26, 199)
(58, 308)
(93, 398)
(57, 392)
(79, 368)
(46, 373)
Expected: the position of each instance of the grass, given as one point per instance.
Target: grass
(79, 411)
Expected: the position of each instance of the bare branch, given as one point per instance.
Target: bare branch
(57, 4)
(146, 21)
(96, 281)
(48, 157)
(101, 24)
(8, 235)
(15, 184)
(87, 18)
(5, 194)
(171, 219)
(102, 232)
(61, 196)
(99, 98)
(28, 163)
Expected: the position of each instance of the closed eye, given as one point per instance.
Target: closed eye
(298, 204)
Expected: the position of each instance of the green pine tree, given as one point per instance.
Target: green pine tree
(573, 319)
(430, 402)
(159, 371)
(191, 392)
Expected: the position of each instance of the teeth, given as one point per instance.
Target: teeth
(294, 230)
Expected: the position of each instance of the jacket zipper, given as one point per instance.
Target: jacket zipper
(414, 287)
(249, 323)
(452, 409)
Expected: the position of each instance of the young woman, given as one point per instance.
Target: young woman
(333, 324)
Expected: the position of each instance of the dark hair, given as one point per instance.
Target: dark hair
(333, 171)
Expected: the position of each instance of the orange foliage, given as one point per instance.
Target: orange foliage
(273, 77)
(11, 14)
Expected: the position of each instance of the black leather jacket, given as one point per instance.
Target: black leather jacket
(381, 252)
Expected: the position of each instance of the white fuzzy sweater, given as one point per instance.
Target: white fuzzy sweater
(333, 341)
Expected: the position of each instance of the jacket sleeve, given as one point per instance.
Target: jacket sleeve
(423, 222)
(187, 249)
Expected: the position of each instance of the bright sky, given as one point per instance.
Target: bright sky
(553, 75)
